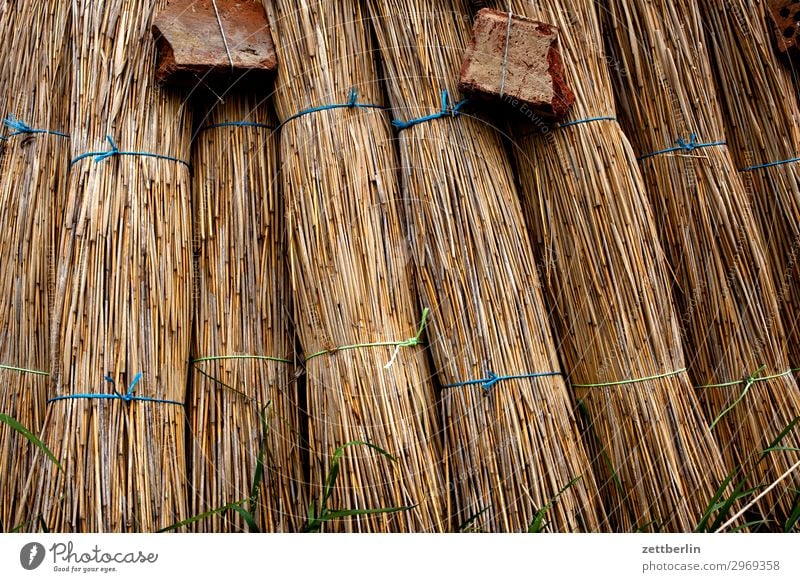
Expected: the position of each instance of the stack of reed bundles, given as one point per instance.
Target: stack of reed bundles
(604, 271)
(123, 289)
(757, 96)
(242, 347)
(726, 298)
(34, 75)
(350, 273)
(513, 445)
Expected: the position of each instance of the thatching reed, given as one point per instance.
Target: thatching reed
(511, 446)
(350, 273)
(242, 347)
(762, 125)
(33, 168)
(604, 271)
(123, 289)
(730, 319)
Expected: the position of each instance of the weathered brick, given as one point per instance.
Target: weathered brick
(534, 71)
(785, 16)
(191, 47)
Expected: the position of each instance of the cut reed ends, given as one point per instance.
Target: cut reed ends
(123, 290)
(244, 397)
(511, 447)
(730, 318)
(33, 167)
(604, 271)
(350, 275)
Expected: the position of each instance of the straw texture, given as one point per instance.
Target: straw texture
(511, 449)
(604, 271)
(730, 319)
(32, 185)
(762, 124)
(243, 310)
(350, 274)
(123, 289)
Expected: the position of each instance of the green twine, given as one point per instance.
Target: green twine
(239, 357)
(23, 370)
(748, 383)
(633, 381)
(409, 343)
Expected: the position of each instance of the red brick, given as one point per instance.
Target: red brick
(785, 16)
(534, 69)
(190, 44)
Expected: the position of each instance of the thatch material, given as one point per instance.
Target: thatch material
(242, 314)
(762, 124)
(730, 318)
(33, 167)
(350, 273)
(604, 271)
(513, 446)
(123, 290)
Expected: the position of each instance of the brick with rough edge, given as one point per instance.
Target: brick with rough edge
(534, 69)
(785, 17)
(190, 45)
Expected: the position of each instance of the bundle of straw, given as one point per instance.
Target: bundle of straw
(242, 372)
(604, 270)
(762, 124)
(33, 167)
(123, 289)
(730, 318)
(350, 274)
(7, 23)
(512, 443)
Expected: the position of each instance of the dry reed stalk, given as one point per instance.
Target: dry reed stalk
(762, 124)
(350, 273)
(511, 449)
(34, 75)
(123, 289)
(242, 310)
(730, 318)
(604, 271)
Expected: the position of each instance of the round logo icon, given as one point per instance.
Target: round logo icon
(31, 555)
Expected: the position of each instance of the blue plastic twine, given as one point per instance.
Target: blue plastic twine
(769, 165)
(115, 151)
(446, 111)
(587, 120)
(492, 379)
(238, 124)
(544, 129)
(127, 397)
(352, 103)
(20, 128)
(683, 145)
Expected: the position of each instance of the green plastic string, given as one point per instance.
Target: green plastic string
(239, 357)
(748, 383)
(23, 370)
(633, 381)
(409, 343)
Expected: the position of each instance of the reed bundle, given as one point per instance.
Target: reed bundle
(730, 318)
(604, 271)
(762, 125)
(123, 289)
(350, 273)
(7, 22)
(511, 446)
(242, 349)
(32, 185)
